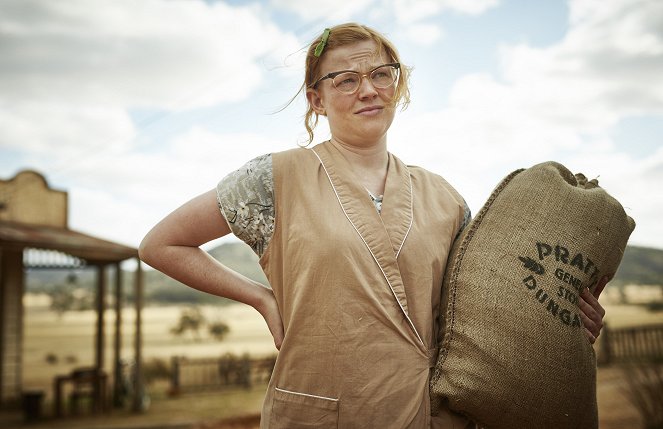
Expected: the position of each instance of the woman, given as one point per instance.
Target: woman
(355, 279)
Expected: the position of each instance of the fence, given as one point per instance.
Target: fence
(194, 375)
(637, 344)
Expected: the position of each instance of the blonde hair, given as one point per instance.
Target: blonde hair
(348, 34)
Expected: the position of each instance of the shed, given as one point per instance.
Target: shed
(34, 233)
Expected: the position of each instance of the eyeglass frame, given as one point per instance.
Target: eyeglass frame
(332, 75)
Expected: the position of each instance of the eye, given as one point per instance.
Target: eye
(346, 80)
(384, 76)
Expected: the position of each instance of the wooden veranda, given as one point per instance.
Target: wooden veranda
(33, 235)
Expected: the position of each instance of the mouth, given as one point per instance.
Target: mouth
(369, 110)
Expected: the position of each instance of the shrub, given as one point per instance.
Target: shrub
(156, 369)
(645, 391)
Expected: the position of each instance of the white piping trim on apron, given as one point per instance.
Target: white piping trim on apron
(369, 248)
(305, 394)
(409, 176)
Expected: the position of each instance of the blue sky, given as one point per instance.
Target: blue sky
(136, 107)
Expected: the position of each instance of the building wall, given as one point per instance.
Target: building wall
(11, 325)
(27, 198)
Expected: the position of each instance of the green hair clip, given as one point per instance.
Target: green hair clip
(323, 43)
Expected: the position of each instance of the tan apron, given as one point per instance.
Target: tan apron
(358, 292)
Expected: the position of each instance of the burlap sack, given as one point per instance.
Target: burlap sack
(513, 352)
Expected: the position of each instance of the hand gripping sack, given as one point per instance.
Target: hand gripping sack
(513, 352)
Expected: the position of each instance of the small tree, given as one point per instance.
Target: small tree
(218, 330)
(191, 320)
(62, 299)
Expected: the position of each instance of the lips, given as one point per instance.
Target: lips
(369, 109)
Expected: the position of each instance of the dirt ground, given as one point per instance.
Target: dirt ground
(244, 422)
(198, 411)
(73, 334)
(615, 409)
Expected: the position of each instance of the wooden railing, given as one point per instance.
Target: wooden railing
(636, 344)
(616, 345)
(194, 375)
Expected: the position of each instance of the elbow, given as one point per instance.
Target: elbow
(147, 250)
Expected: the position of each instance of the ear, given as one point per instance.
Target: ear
(315, 101)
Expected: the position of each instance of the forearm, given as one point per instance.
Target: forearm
(197, 269)
(173, 247)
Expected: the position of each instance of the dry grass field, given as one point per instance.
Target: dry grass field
(69, 341)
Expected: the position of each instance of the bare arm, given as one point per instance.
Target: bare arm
(172, 247)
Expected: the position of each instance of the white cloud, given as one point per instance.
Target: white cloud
(121, 194)
(561, 102)
(424, 34)
(605, 68)
(408, 11)
(41, 128)
(412, 16)
(336, 11)
(635, 183)
(470, 7)
(72, 70)
(173, 54)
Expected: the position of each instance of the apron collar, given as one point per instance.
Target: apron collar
(384, 235)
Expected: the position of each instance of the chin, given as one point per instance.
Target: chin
(375, 130)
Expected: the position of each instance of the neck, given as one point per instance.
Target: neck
(369, 163)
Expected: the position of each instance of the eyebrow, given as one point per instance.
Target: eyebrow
(372, 68)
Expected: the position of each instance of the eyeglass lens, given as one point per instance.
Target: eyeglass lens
(382, 77)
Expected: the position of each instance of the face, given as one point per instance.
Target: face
(364, 117)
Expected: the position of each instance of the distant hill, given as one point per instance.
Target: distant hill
(160, 288)
(240, 258)
(640, 265)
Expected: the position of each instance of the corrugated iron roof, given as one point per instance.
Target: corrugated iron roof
(92, 249)
(48, 258)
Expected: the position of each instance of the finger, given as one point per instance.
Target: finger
(589, 324)
(590, 299)
(591, 315)
(278, 338)
(277, 334)
(600, 286)
(590, 336)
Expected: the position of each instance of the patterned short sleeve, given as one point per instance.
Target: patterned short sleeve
(467, 217)
(246, 200)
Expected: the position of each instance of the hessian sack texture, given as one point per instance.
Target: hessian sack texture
(513, 352)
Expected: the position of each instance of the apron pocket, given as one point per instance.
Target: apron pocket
(296, 410)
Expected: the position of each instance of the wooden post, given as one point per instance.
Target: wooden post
(138, 342)
(117, 360)
(605, 349)
(175, 376)
(99, 337)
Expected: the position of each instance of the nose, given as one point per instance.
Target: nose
(366, 88)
